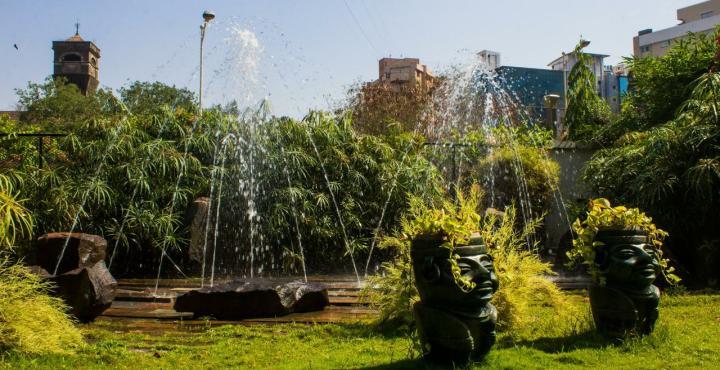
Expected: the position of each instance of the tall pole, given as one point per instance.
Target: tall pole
(565, 87)
(561, 129)
(200, 94)
(207, 17)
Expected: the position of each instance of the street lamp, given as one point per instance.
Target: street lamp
(207, 17)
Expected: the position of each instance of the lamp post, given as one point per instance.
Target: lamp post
(207, 17)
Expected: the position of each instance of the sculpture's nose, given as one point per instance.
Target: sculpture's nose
(482, 272)
(647, 257)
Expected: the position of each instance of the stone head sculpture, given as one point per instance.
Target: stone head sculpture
(627, 261)
(628, 300)
(455, 322)
(437, 285)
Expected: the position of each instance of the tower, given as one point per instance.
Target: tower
(77, 60)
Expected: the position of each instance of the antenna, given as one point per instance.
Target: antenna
(77, 27)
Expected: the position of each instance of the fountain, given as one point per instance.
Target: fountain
(275, 203)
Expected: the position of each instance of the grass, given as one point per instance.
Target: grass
(686, 337)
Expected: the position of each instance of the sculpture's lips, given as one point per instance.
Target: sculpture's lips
(483, 289)
(647, 270)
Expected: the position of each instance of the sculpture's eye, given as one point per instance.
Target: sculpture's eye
(464, 268)
(625, 253)
(486, 261)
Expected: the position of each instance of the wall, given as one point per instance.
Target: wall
(571, 159)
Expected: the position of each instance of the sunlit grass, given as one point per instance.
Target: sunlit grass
(686, 337)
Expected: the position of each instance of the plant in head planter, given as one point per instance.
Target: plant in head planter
(455, 279)
(622, 249)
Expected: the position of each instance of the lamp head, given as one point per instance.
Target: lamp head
(208, 16)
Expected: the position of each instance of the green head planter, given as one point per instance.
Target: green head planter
(456, 323)
(627, 302)
(622, 249)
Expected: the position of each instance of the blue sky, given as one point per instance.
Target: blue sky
(308, 52)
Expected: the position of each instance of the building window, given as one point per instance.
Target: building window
(665, 44)
(706, 14)
(71, 58)
(645, 49)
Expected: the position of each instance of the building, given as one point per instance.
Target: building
(77, 60)
(529, 86)
(698, 18)
(490, 58)
(405, 73)
(615, 85)
(566, 62)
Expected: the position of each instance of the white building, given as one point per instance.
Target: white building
(698, 18)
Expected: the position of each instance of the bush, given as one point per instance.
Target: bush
(659, 85)
(30, 320)
(519, 269)
(672, 172)
(301, 178)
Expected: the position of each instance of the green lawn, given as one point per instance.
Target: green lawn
(687, 337)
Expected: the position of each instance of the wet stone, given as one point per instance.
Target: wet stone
(83, 250)
(196, 218)
(241, 299)
(83, 280)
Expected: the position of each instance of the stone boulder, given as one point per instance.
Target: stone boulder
(83, 250)
(196, 218)
(82, 280)
(303, 297)
(240, 299)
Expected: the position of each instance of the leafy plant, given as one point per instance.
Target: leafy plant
(521, 273)
(15, 220)
(32, 322)
(586, 111)
(453, 222)
(671, 169)
(602, 216)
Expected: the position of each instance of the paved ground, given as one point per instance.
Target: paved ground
(137, 300)
(139, 306)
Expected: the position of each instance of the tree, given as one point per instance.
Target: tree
(379, 109)
(658, 86)
(586, 110)
(56, 105)
(150, 98)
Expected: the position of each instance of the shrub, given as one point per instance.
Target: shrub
(15, 219)
(520, 271)
(602, 216)
(672, 171)
(30, 320)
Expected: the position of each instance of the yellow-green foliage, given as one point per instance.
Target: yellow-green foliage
(30, 320)
(603, 216)
(393, 293)
(15, 219)
(521, 173)
(454, 222)
(521, 273)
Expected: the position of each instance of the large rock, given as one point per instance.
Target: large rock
(83, 250)
(196, 217)
(241, 299)
(82, 280)
(303, 297)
